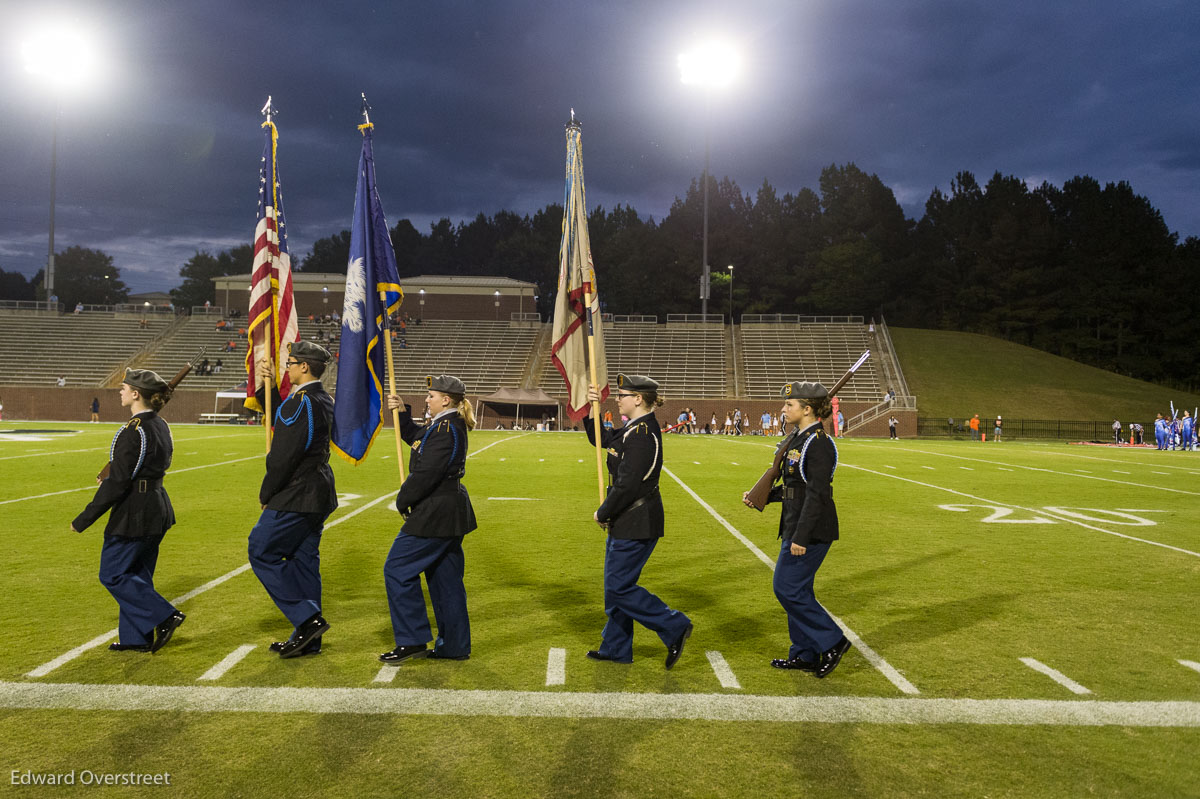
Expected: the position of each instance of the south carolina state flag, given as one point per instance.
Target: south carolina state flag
(358, 410)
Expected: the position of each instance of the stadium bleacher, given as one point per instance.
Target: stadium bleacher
(484, 355)
(772, 354)
(85, 348)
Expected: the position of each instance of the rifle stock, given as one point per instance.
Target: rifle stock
(758, 495)
(172, 384)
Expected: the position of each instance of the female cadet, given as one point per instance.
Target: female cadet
(808, 524)
(437, 514)
(633, 515)
(140, 514)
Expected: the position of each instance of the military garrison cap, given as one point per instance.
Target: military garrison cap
(636, 383)
(447, 384)
(144, 380)
(309, 351)
(804, 391)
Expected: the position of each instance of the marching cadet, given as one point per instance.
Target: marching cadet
(437, 515)
(632, 513)
(140, 514)
(297, 495)
(808, 525)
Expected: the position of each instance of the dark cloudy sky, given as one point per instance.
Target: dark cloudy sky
(158, 157)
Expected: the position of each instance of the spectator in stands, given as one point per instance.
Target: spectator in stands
(143, 323)
(222, 324)
(205, 369)
(632, 514)
(296, 496)
(61, 382)
(808, 525)
(139, 514)
(403, 343)
(217, 367)
(78, 308)
(437, 515)
(95, 408)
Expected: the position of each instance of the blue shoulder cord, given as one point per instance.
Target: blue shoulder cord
(302, 405)
(804, 451)
(141, 449)
(453, 433)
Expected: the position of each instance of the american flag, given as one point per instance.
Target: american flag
(273, 321)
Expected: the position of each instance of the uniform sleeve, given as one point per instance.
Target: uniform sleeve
(818, 491)
(441, 447)
(294, 428)
(129, 450)
(638, 455)
(409, 430)
(607, 434)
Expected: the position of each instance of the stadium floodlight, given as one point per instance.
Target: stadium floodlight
(710, 65)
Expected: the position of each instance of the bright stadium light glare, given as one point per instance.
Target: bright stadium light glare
(712, 64)
(61, 56)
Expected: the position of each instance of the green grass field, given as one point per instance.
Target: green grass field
(957, 560)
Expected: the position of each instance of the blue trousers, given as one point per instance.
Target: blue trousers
(285, 554)
(441, 561)
(127, 571)
(626, 602)
(810, 626)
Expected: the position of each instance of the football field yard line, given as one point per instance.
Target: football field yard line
(576, 705)
(1036, 511)
(725, 675)
(386, 674)
(228, 662)
(66, 657)
(1055, 675)
(886, 669)
(100, 449)
(556, 667)
(1191, 664)
(1120, 462)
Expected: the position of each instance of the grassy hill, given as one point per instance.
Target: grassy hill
(960, 374)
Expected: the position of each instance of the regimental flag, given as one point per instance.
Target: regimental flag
(273, 322)
(573, 317)
(358, 412)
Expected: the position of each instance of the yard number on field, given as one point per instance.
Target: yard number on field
(1002, 515)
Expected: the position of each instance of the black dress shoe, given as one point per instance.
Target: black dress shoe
(306, 634)
(436, 655)
(115, 647)
(164, 631)
(313, 648)
(799, 662)
(403, 653)
(831, 657)
(676, 649)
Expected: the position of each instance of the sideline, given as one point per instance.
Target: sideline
(576, 705)
(886, 669)
(105, 449)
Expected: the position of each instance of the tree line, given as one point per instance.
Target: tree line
(1085, 270)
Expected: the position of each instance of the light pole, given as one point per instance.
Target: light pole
(497, 295)
(422, 314)
(62, 59)
(731, 294)
(711, 65)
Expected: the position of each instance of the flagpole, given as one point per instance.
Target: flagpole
(387, 343)
(587, 296)
(268, 111)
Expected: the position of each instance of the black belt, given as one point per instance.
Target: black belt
(146, 486)
(639, 502)
(789, 492)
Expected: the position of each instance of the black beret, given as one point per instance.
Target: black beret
(636, 383)
(447, 384)
(805, 391)
(144, 380)
(310, 352)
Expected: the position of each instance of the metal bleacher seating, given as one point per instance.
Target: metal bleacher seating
(687, 361)
(772, 354)
(37, 349)
(484, 355)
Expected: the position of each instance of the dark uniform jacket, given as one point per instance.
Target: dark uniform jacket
(809, 515)
(298, 477)
(434, 503)
(633, 508)
(140, 455)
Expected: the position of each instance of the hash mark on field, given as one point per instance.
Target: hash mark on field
(1191, 664)
(386, 674)
(1083, 471)
(1055, 675)
(1164, 474)
(1005, 470)
(966, 468)
(556, 667)
(229, 453)
(930, 468)
(733, 464)
(724, 674)
(227, 663)
(696, 462)
(1118, 471)
(888, 467)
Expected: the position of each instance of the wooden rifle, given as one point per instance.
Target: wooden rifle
(758, 495)
(172, 384)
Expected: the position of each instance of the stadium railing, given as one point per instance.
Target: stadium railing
(1064, 429)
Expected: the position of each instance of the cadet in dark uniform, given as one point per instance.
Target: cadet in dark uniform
(808, 524)
(297, 495)
(140, 514)
(437, 514)
(633, 515)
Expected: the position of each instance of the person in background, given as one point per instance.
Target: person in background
(998, 428)
(95, 408)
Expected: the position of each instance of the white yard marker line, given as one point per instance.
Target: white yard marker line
(930, 468)
(896, 678)
(67, 657)
(888, 467)
(556, 667)
(1191, 664)
(570, 704)
(1055, 675)
(1118, 471)
(386, 674)
(725, 675)
(966, 468)
(1083, 471)
(93, 488)
(1164, 474)
(1006, 470)
(1036, 511)
(227, 663)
